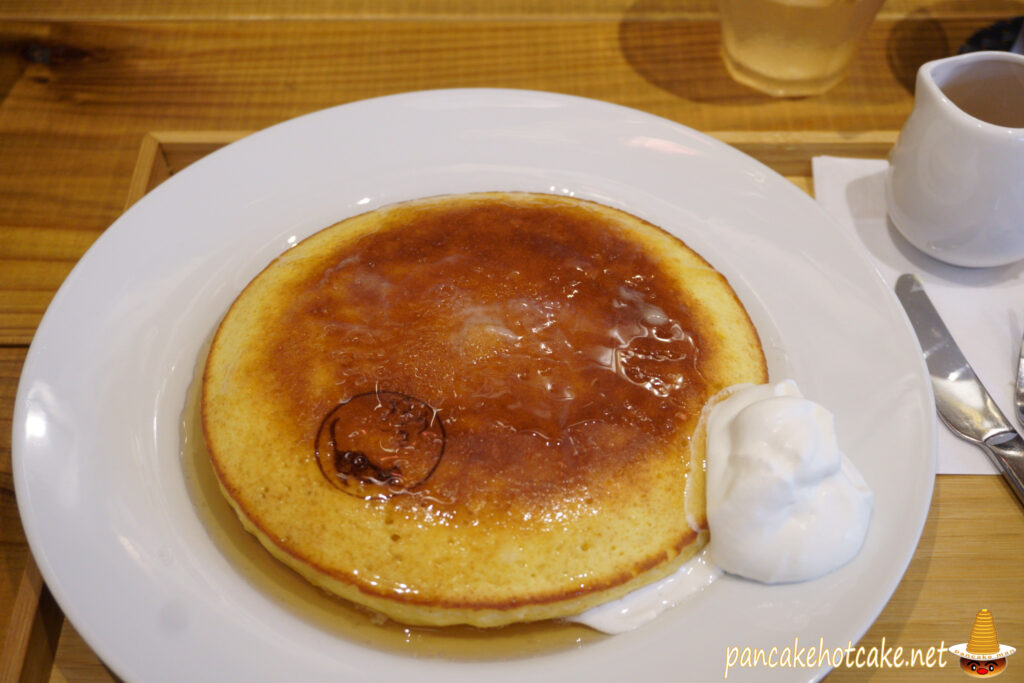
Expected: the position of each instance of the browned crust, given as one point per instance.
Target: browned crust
(626, 572)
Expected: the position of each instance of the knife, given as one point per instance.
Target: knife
(1018, 397)
(961, 399)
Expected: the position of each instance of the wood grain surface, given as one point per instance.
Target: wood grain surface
(81, 94)
(82, 85)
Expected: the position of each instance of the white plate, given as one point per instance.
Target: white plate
(99, 478)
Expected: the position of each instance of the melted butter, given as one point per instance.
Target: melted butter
(335, 615)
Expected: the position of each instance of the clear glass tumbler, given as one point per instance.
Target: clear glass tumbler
(790, 48)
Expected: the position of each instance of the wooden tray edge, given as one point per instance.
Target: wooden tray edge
(164, 153)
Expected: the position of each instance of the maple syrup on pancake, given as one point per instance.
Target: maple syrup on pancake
(330, 613)
(541, 335)
(570, 339)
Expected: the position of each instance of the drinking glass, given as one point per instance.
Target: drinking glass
(790, 48)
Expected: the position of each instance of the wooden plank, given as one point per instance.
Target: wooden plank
(31, 642)
(254, 10)
(183, 148)
(258, 10)
(150, 170)
(75, 662)
(18, 592)
(163, 154)
(11, 533)
(181, 76)
(28, 287)
(19, 626)
(85, 92)
(788, 153)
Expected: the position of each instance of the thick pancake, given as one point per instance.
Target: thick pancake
(475, 408)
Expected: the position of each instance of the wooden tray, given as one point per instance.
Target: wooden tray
(162, 154)
(41, 646)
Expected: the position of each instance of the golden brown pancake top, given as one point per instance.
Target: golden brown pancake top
(475, 408)
(553, 351)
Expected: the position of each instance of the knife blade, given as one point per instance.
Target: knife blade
(1018, 396)
(962, 401)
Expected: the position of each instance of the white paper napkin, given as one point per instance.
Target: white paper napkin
(982, 307)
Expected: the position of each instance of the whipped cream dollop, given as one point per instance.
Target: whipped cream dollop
(783, 502)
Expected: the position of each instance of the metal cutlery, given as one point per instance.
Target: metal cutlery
(962, 401)
(1018, 394)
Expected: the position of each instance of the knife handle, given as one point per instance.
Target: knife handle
(1008, 456)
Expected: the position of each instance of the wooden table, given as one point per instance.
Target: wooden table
(82, 86)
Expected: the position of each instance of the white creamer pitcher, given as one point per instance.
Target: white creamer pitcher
(955, 186)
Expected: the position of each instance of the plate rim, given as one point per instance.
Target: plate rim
(39, 348)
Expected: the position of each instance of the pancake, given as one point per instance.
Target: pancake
(475, 408)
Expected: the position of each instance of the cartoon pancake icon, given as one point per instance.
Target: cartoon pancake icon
(982, 656)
